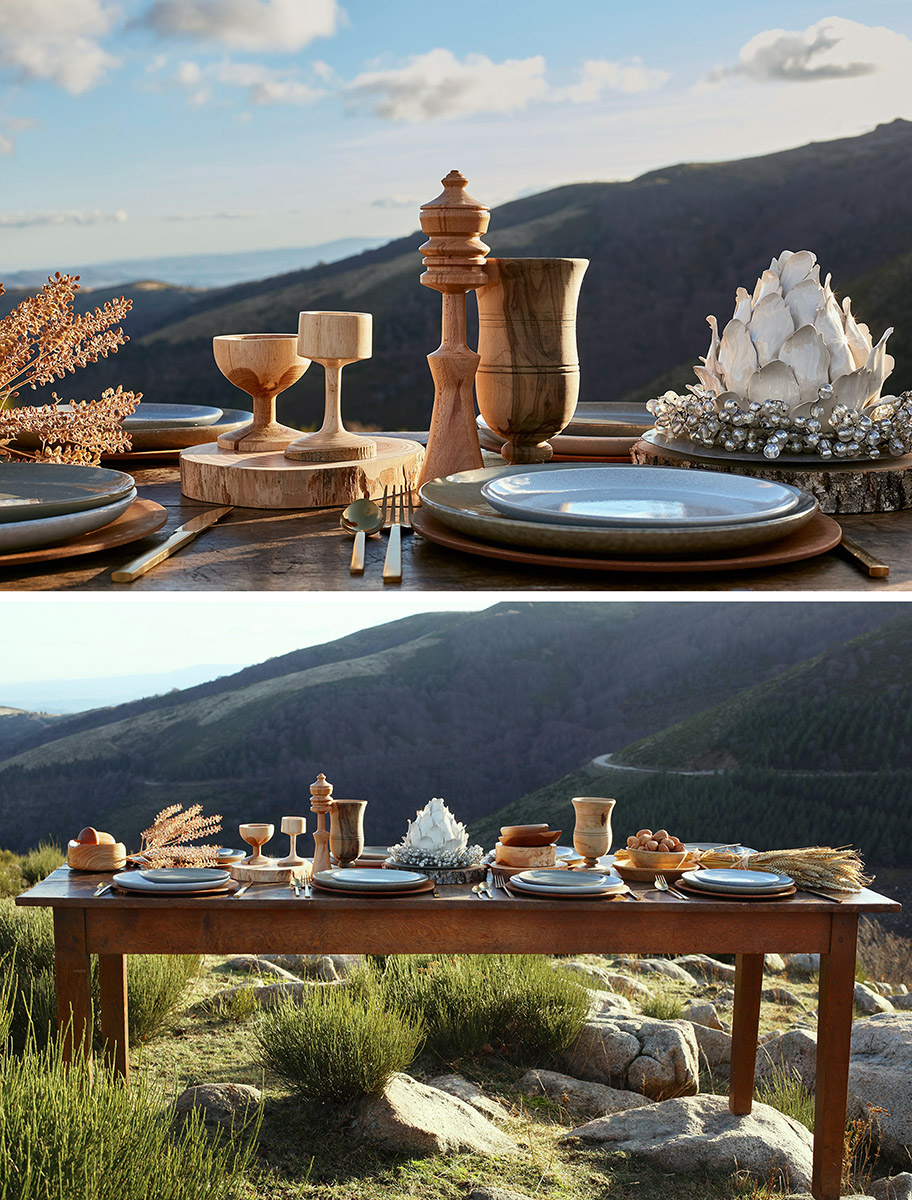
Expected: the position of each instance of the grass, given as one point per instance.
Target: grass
(784, 1091)
(665, 1004)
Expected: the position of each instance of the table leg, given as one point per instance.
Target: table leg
(112, 981)
(745, 1024)
(835, 1006)
(73, 976)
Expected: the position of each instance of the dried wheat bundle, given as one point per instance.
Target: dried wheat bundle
(840, 870)
(165, 842)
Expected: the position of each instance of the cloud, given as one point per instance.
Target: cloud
(265, 86)
(598, 75)
(207, 216)
(437, 85)
(834, 48)
(7, 145)
(57, 40)
(395, 202)
(23, 220)
(282, 25)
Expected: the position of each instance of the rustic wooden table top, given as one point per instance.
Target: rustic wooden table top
(269, 550)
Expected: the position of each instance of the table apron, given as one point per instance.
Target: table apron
(312, 929)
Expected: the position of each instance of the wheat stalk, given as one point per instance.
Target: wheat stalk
(165, 842)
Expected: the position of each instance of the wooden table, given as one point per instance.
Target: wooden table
(261, 550)
(269, 920)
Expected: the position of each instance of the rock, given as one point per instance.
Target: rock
(271, 994)
(715, 1045)
(901, 990)
(467, 1091)
(226, 1104)
(870, 1002)
(329, 967)
(494, 1193)
(778, 995)
(701, 966)
(262, 966)
(878, 986)
(726, 996)
(657, 1059)
(609, 1002)
(897, 1187)
(773, 964)
(902, 1001)
(411, 1118)
(794, 1052)
(801, 966)
(660, 966)
(699, 1133)
(879, 1073)
(703, 1014)
(590, 1099)
(627, 986)
(591, 973)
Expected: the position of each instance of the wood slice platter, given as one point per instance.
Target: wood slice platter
(273, 481)
(819, 535)
(884, 485)
(141, 518)
(268, 873)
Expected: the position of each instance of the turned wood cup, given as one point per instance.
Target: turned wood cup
(256, 835)
(263, 365)
(592, 834)
(294, 827)
(527, 382)
(333, 339)
(346, 830)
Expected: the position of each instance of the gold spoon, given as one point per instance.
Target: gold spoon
(361, 518)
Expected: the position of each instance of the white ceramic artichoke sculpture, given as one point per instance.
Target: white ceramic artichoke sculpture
(436, 838)
(792, 371)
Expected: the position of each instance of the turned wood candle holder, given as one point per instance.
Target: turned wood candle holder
(454, 255)
(527, 382)
(346, 830)
(333, 339)
(321, 803)
(592, 833)
(263, 365)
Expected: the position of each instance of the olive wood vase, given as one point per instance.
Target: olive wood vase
(346, 830)
(592, 834)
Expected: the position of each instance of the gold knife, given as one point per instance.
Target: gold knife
(875, 568)
(179, 538)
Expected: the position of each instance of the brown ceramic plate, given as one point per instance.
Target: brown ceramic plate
(533, 837)
(141, 518)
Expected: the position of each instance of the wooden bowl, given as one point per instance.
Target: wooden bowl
(544, 837)
(102, 856)
(656, 860)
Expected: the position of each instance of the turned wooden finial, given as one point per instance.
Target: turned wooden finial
(321, 803)
(454, 255)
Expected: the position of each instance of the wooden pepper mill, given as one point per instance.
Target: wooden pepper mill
(321, 803)
(454, 255)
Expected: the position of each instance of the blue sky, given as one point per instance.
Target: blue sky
(141, 127)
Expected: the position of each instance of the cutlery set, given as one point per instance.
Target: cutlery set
(364, 518)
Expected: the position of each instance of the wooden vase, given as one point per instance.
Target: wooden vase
(592, 834)
(346, 830)
(527, 383)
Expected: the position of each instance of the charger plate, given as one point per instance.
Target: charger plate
(49, 531)
(34, 491)
(706, 894)
(141, 518)
(558, 894)
(375, 894)
(817, 537)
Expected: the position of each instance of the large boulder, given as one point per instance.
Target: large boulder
(269, 995)
(795, 1053)
(715, 1046)
(588, 1099)
(902, 1001)
(701, 966)
(879, 1073)
(608, 1002)
(780, 995)
(225, 1104)
(897, 1187)
(802, 966)
(470, 1094)
(633, 989)
(658, 1059)
(660, 966)
(699, 1133)
(328, 967)
(703, 1014)
(869, 1002)
(254, 964)
(411, 1118)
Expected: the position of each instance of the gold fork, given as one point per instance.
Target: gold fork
(400, 500)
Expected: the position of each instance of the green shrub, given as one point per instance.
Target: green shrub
(11, 881)
(518, 1004)
(784, 1090)
(663, 1005)
(156, 985)
(334, 1046)
(38, 863)
(63, 1135)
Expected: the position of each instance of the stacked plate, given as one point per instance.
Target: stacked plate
(368, 881)
(175, 881)
(735, 884)
(166, 428)
(567, 885)
(617, 510)
(596, 432)
(44, 503)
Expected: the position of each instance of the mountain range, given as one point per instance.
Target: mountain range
(484, 709)
(665, 250)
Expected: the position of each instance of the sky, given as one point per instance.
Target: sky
(136, 128)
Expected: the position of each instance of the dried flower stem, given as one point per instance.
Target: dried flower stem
(166, 840)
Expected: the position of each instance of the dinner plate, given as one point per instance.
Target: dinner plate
(611, 418)
(557, 893)
(180, 437)
(363, 893)
(369, 879)
(733, 880)
(43, 531)
(457, 502)
(171, 416)
(602, 889)
(637, 497)
(182, 876)
(546, 877)
(705, 894)
(29, 491)
(135, 881)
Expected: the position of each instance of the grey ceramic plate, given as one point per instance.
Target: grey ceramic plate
(181, 876)
(559, 893)
(457, 501)
(44, 531)
(32, 490)
(180, 437)
(567, 445)
(369, 879)
(135, 881)
(712, 454)
(543, 877)
(171, 416)
(725, 880)
(610, 419)
(641, 497)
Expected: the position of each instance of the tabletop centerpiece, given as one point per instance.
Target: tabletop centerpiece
(436, 844)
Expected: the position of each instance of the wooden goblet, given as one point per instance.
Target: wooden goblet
(346, 830)
(257, 835)
(592, 834)
(262, 365)
(333, 339)
(294, 827)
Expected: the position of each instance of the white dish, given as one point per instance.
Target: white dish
(733, 880)
(30, 491)
(640, 496)
(369, 879)
(134, 881)
(573, 880)
(582, 893)
(43, 531)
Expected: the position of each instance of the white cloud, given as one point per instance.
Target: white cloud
(24, 220)
(437, 85)
(834, 48)
(57, 40)
(598, 75)
(265, 86)
(7, 145)
(282, 25)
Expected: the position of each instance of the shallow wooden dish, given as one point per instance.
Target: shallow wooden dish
(656, 860)
(631, 874)
(530, 837)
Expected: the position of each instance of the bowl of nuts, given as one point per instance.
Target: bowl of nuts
(660, 851)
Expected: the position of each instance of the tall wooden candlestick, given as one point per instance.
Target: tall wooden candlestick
(453, 258)
(321, 803)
